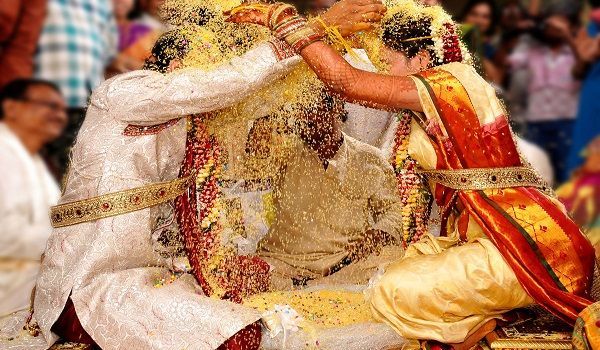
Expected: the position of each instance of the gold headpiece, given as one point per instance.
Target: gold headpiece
(416, 39)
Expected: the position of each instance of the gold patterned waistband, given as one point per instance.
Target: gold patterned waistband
(486, 178)
(118, 203)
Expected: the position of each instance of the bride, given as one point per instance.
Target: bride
(507, 243)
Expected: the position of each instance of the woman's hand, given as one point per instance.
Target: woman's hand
(348, 16)
(351, 16)
(255, 13)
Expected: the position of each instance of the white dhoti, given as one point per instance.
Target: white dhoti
(127, 311)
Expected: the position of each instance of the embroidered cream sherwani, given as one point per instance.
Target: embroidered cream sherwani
(319, 212)
(27, 191)
(109, 266)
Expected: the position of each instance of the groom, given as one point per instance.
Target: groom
(337, 208)
(97, 281)
(104, 280)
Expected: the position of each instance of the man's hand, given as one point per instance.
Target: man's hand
(351, 16)
(587, 47)
(256, 13)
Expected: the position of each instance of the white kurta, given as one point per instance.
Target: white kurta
(109, 266)
(27, 191)
(321, 211)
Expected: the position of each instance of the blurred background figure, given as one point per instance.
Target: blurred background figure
(587, 125)
(130, 31)
(553, 90)
(581, 195)
(130, 34)
(479, 21)
(32, 114)
(78, 41)
(20, 25)
(150, 10)
(139, 28)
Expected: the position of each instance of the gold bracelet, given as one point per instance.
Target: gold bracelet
(277, 12)
(302, 38)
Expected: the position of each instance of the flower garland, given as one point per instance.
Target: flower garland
(412, 187)
(218, 270)
(199, 242)
(452, 50)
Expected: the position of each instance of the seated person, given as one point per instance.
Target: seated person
(336, 206)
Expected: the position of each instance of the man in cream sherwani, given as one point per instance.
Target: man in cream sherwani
(105, 270)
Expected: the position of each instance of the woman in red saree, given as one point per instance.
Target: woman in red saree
(505, 242)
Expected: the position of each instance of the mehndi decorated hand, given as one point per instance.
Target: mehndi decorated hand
(346, 16)
(352, 16)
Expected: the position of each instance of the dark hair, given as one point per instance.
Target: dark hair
(172, 45)
(18, 88)
(198, 15)
(399, 34)
(493, 8)
(331, 101)
(322, 99)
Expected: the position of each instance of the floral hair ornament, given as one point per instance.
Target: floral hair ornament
(447, 45)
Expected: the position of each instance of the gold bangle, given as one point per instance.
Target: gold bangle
(300, 34)
(277, 12)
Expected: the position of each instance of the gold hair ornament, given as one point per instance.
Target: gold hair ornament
(417, 39)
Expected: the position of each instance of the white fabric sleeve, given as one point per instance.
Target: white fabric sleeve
(146, 97)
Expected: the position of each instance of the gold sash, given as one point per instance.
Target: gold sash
(486, 178)
(118, 203)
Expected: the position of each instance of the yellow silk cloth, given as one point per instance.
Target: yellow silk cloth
(587, 329)
(321, 308)
(446, 294)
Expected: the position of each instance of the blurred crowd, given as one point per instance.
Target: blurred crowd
(543, 57)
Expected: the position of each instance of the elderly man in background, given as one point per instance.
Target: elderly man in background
(32, 114)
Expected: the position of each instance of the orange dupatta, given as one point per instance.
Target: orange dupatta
(548, 253)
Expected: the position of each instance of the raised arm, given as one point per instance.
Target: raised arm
(147, 97)
(359, 86)
(348, 16)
